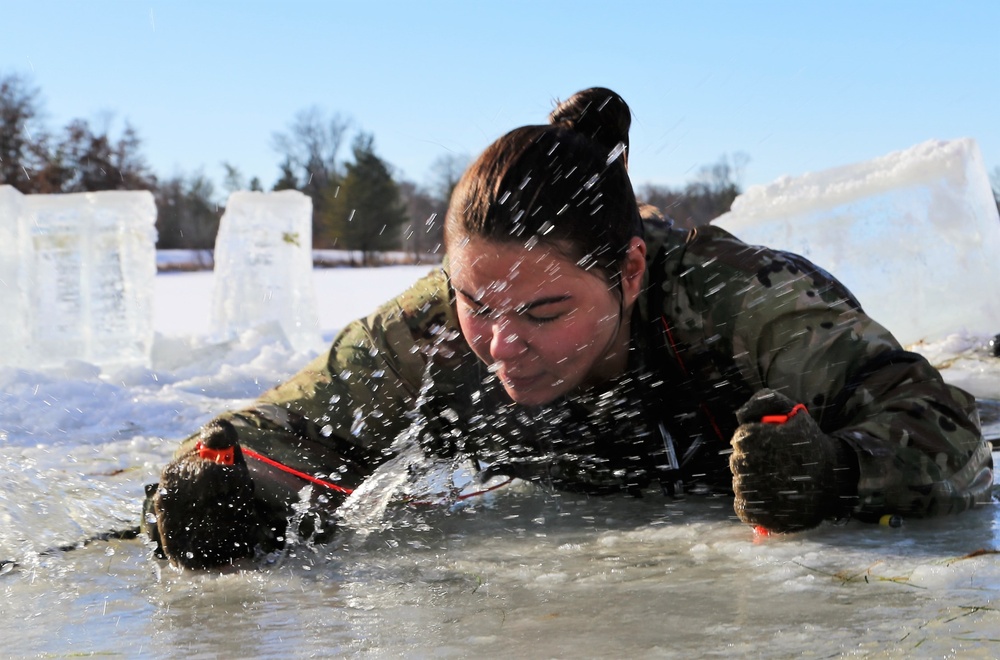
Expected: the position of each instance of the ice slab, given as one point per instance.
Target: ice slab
(78, 277)
(263, 267)
(13, 286)
(914, 234)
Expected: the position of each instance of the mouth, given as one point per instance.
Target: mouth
(518, 381)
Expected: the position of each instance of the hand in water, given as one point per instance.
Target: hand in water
(204, 505)
(783, 465)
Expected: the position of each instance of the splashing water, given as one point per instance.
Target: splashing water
(364, 511)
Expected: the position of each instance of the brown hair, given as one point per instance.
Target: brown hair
(564, 183)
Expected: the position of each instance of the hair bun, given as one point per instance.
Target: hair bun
(598, 113)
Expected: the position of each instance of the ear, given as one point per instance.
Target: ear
(633, 268)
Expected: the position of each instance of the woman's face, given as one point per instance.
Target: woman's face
(544, 325)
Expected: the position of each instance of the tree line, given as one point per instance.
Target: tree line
(359, 203)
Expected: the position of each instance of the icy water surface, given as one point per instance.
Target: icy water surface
(536, 575)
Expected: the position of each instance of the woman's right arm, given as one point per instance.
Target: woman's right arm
(334, 422)
(338, 417)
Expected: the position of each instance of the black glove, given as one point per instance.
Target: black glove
(784, 466)
(204, 508)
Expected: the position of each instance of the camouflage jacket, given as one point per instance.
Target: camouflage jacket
(718, 320)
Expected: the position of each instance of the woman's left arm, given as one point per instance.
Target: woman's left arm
(917, 439)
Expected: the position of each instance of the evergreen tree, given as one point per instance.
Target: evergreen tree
(81, 160)
(287, 180)
(310, 148)
(90, 161)
(233, 180)
(23, 143)
(365, 212)
(186, 215)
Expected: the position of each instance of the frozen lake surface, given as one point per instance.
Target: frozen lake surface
(520, 572)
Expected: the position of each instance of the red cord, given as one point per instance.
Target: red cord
(347, 491)
(293, 471)
(781, 419)
(463, 496)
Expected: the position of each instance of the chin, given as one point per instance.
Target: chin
(532, 397)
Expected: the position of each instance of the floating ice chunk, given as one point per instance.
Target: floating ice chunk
(263, 266)
(914, 234)
(79, 284)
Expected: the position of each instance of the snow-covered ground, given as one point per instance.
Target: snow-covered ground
(522, 574)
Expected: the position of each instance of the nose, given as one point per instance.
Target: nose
(506, 342)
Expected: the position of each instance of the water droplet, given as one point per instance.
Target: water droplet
(616, 152)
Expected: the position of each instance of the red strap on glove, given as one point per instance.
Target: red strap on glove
(781, 419)
(225, 456)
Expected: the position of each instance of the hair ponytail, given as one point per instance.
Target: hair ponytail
(597, 113)
(563, 184)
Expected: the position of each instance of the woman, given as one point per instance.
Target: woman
(565, 342)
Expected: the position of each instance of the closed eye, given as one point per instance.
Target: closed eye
(536, 317)
(481, 311)
(527, 310)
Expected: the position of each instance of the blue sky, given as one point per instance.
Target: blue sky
(796, 86)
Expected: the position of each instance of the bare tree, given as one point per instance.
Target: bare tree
(309, 149)
(707, 197)
(446, 170)
(423, 212)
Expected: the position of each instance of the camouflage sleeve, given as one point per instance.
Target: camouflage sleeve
(796, 329)
(337, 418)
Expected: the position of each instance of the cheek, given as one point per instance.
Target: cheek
(576, 338)
(561, 343)
(477, 335)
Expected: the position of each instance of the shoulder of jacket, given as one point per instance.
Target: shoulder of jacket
(424, 308)
(672, 252)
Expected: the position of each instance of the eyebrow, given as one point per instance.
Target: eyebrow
(548, 300)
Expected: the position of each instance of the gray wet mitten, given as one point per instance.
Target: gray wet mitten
(783, 465)
(204, 505)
